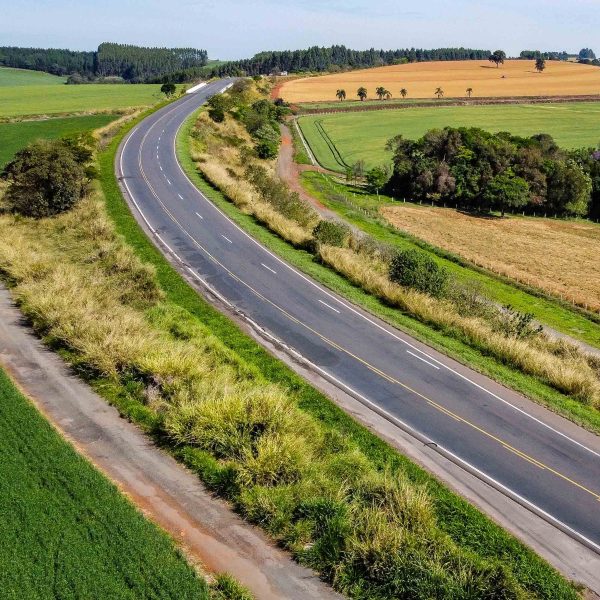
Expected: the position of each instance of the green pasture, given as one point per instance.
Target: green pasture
(13, 77)
(18, 101)
(66, 531)
(340, 139)
(17, 135)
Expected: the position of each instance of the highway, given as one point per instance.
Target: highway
(531, 455)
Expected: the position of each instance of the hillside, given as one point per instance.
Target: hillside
(514, 78)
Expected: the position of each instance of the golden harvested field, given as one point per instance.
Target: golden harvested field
(514, 78)
(560, 257)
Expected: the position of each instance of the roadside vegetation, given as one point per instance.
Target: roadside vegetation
(406, 226)
(66, 531)
(333, 494)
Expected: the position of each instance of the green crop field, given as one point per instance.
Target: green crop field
(65, 531)
(56, 99)
(10, 77)
(17, 135)
(340, 139)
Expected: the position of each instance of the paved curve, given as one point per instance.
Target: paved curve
(540, 460)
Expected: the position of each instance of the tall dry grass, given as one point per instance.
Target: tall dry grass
(571, 374)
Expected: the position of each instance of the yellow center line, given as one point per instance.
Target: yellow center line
(371, 367)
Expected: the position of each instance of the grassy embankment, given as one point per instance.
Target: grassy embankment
(66, 531)
(327, 489)
(340, 139)
(363, 210)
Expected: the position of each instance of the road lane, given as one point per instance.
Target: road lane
(546, 467)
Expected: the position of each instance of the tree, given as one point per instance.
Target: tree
(497, 57)
(218, 105)
(404, 92)
(387, 95)
(506, 190)
(168, 89)
(362, 93)
(540, 64)
(380, 92)
(341, 95)
(469, 91)
(569, 188)
(439, 92)
(46, 178)
(587, 54)
(377, 177)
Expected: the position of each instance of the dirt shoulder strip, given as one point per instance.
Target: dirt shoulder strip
(209, 532)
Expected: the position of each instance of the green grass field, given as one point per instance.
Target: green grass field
(66, 531)
(18, 101)
(10, 77)
(17, 135)
(340, 139)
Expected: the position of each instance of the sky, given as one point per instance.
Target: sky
(231, 29)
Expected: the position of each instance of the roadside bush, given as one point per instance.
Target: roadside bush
(46, 178)
(417, 270)
(515, 324)
(331, 233)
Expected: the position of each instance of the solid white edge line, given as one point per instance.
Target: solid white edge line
(369, 320)
(422, 359)
(411, 430)
(269, 268)
(329, 306)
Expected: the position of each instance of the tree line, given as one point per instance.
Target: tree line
(585, 56)
(130, 63)
(319, 59)
(481, 171)
(49, 60)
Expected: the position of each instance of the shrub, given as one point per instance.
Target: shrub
(414, 269)
(331, 233)
(267, 149)
(46, 178)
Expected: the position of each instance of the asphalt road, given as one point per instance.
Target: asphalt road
(541, 461)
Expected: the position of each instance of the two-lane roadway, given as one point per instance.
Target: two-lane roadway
(534, 458)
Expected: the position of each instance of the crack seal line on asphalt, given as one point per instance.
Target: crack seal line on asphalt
(333, 344)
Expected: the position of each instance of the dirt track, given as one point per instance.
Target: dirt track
(210, 533)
